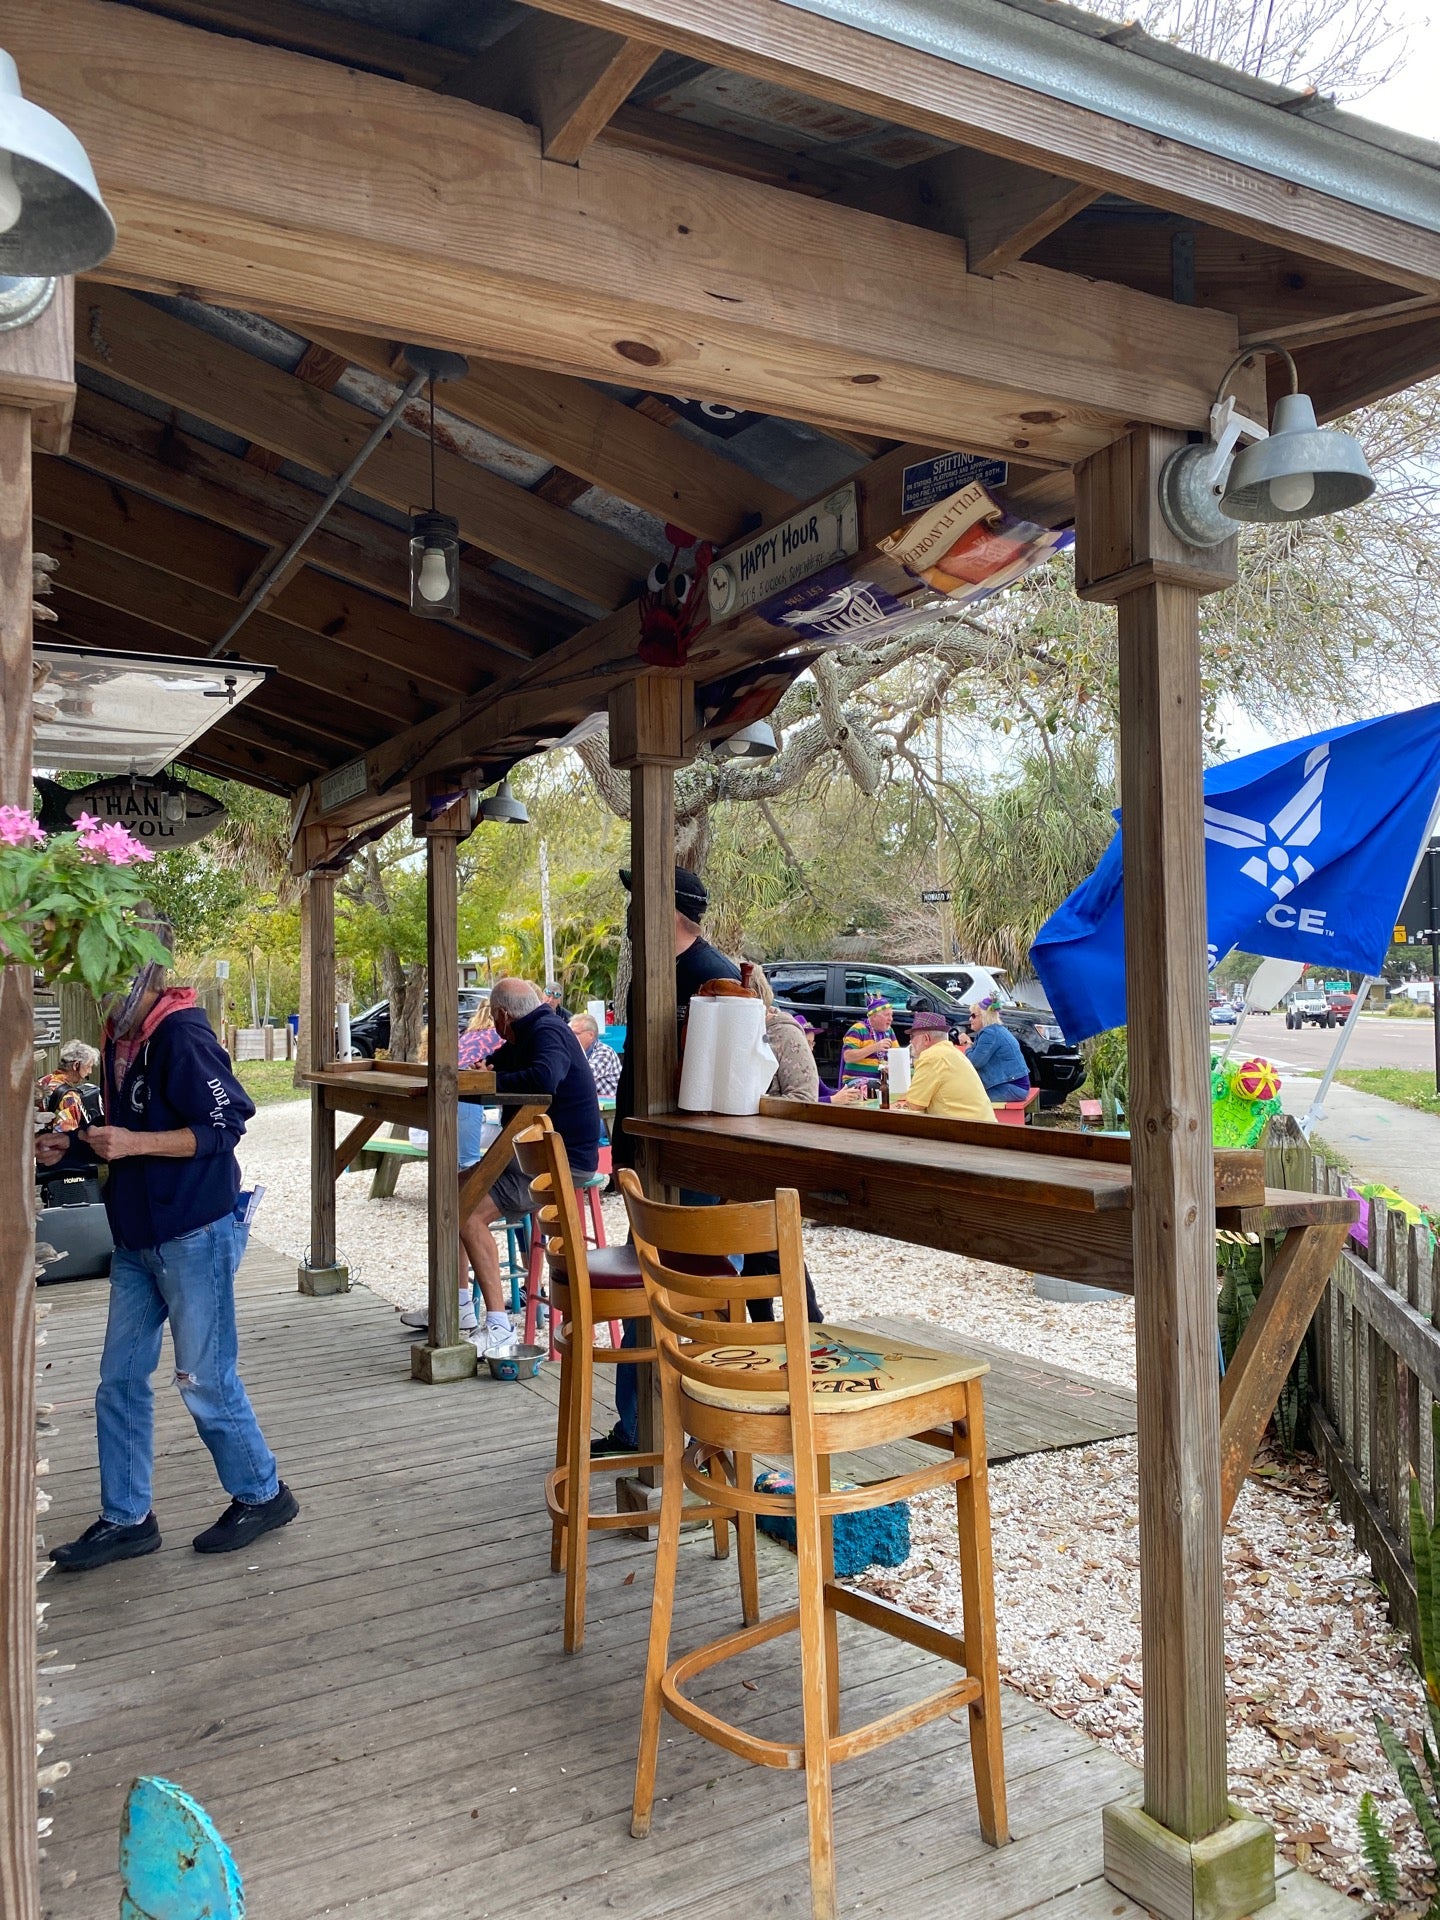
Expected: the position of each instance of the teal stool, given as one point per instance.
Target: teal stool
(516, 1263)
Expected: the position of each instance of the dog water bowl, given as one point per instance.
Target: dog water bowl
(523, 1364)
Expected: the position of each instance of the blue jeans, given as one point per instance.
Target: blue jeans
(190, 1282)
(627, 1379)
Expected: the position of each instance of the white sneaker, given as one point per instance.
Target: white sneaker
(495, 1343)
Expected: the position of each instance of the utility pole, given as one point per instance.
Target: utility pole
(547, 929)
(947, 914)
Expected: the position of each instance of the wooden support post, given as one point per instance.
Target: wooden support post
(1183, 1851)
(444, 1355)
(648, 722)
(19, 1856)
(322, 1272)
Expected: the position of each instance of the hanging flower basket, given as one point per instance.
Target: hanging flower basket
(67, 901)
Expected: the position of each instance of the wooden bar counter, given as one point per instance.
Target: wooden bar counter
(1048, 1201)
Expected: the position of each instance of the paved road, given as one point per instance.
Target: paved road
(1376, 1042)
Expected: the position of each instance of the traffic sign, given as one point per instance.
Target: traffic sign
(934, 896)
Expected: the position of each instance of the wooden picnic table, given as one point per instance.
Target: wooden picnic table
(397, 1091)
(1050, 1201)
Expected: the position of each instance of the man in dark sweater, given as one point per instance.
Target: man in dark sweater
(540, 1055)
(174, 1116)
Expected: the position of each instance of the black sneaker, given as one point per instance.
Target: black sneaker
(612, 1442)
(239, 1524)
(104, 1542)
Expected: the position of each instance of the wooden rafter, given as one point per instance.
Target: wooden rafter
(388, 210)
(160, 460)
(213, 557)
(238, 741)
(567, 79)
(828, 60)
(175, 362)
(607, 444)
(196, 613)
(1356, 373)
(1347, 326)
(329, 36)
(999, 209)
(643, 130)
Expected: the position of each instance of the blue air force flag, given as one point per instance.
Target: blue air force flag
(1309, 848)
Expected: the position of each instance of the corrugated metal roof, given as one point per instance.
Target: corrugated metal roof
(1119, 70)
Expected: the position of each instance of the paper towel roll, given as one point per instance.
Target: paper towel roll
(897, 1069)
(727, 1063)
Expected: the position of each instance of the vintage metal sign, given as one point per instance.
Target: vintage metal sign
(155, 811)
(928, 482)
(782, 556)
(345, 783)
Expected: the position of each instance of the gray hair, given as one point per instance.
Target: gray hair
(515, 997)
(80, 1055)
(586, 1020)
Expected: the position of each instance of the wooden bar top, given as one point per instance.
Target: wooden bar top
(396, 1079)
(1076, 1172)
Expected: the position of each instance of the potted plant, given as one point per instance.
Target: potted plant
(68, 901)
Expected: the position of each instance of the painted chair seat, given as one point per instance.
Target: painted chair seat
(850, 1370)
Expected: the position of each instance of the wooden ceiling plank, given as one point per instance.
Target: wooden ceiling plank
(275, 181)
(328, 36)
(237, 737)
(160, 460)
(175, 362)
(564, 78)
(262, 730)
(1000, 210)
(603, 441)
(1346, 326)
(1357, 373)
(828, 60)
(347, 728)
(237, 760)
(100, 573)
(130, 523)
(643, 130)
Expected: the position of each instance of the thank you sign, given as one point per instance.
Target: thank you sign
(158, 812)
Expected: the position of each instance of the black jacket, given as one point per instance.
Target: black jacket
(542, 1055)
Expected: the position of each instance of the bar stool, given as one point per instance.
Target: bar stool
(587, 1286)
(730, 1390)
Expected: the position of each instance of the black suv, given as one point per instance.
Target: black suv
(370, 1030)
(831, 994)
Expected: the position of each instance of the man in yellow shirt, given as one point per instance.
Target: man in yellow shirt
(943, 1082)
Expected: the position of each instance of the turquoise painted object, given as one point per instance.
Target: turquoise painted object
(874, 1537)
(173, 1863)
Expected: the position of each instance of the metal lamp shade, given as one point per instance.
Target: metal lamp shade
(502, 805)
(64, 225)
(755, 742)
(434, 566)
(1297, 450)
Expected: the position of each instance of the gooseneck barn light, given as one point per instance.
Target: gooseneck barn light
(434, 536)
(1294, 470)
(502, 805)
(52, 219)
(755, 742)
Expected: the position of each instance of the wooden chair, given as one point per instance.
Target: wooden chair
(729, 1389)
(587, 1286)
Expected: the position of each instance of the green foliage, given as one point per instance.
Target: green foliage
(1107, 1059)
(1379, 1854)
(68, 910)
(1242, 1272)
(1407, 1087)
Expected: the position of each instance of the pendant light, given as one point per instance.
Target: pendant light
(52, 219)
(755, 742)
(1293, 470)
(503, 806)
(434, 551)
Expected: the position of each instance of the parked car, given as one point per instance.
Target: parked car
(831, 994)
(1309, 1004)
(370, 1030)
(965, 982)
(1224, 1015)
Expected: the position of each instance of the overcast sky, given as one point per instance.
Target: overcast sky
(1409, 100)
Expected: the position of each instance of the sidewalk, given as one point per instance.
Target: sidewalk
(1381, 1141)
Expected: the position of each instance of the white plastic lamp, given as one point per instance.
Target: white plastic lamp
(502, 805)
(755, 742)
(1293, 470)
(52, 219)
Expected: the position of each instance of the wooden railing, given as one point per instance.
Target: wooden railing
(1375, 1355)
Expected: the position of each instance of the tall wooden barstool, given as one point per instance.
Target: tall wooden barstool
(730, 1390)
(589, 1285)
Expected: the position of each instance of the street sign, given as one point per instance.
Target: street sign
(1420, 915)
(934, 896)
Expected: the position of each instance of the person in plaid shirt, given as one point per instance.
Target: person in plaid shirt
(604, 1061)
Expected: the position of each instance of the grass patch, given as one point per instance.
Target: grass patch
(267, 1081)
(1404, 1085)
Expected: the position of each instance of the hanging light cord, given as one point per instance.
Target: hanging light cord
(265, 585)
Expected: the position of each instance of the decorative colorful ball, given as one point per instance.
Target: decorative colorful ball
(1257, 1080)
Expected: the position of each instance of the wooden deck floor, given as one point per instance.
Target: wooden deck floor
(375, 1708)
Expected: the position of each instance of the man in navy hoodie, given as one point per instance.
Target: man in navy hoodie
(174, 1115)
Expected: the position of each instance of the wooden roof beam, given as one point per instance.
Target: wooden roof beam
(164, 356)
(1346, 374)
(328, 36)
(1000, 210)
(158, 459)
(197, 614)
(560, 75)
(607, 443)
(275, 181)
(130, 523)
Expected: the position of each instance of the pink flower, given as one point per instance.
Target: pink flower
(19, 827)
(111, 842)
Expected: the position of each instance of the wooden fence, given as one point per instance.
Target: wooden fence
(1375, 1360)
